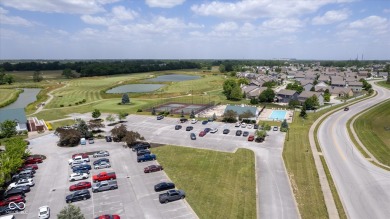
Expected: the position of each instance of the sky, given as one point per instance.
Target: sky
(195, 29)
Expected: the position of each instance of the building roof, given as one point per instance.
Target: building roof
(305, 82)
(307, 94)
(17, 114)
(287, 92)
(338, 83)
(257, 91)
(241, 109)
(355, 83)
(339, 90)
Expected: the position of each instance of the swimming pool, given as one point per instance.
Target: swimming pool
(278, 114)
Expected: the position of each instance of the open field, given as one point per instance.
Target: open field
(7, 96)
(373, 129)
(218, 184)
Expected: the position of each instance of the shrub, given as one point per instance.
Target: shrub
(62, 105)
(84, 100)
(119, 103)
(77, 103)
(139, 110)
(70, 105)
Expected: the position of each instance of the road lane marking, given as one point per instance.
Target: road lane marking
(334, 142)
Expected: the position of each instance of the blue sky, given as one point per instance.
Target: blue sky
(194, 29)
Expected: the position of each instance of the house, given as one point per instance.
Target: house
(285, 96)
(255, 92)
(307, 84)
(256, 83)
(356, 86)
(307, 94)
(18, 115)
(323, 78)
(341, 92)
(336, 78)
(337, 83)
(248, 88)
(311, 76)
(240, 109)
(299, 76)
(321, 87)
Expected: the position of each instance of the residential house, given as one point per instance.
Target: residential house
(321, 87)
(356, 86)
(310, 75)
(18, 115)
(363, 73)
(255, 92)
(299, 76)
(350, 79)
(307, 84)
(285, 96)
(337, 83)
(382, 74)
(323, 78)
(336, 78)
(307, 94)
(341, 92)
(256, 83)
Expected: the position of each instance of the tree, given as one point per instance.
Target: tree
(192, 115)
(110, 118)
(8, 128)
(131, 137)
(96, 113)
(9, 79)
(284, 126)
(265, 126)
(122, 115)
(295, 86)
(293, 103)
(95, 124)
(242, 81)
(254, 101)
(68, 137)
(119, 132)
(312, 103)
(230, 116)
(12, 158)
(70, 212)
(68, 73)
(267, 96)
(387, 69)
(153, 111)
(236, 93)
(222, 68)
(228, 86)
(303, 113)
(247, 114)
(37, 76)
(261, 133)
(82, 127)
(125, 98)
(313, 89)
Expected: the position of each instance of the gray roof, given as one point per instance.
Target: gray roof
(287, 92)
(17, 114)
(307, 94)
(355, 83)
(241, 109)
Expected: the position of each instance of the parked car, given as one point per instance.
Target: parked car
(275, 128)
(243, 125)
(91, 141)
(193, 121)
(33, 160)
(249, 126)
(153, 168)
(104, 186)
(202, 133)
(27, 172)
(346, 108)
(255, 126)
(204, 122)
(81, 167)
(164, 186)
(81, 171)
(214, 130)
(30, 166)
(15, 191)
(12, 208)
(160, 117)
(103, 176)
(80, 186)
(226, 131)
(24, 168)
(244, 134)
(83, 141)
(22, 182)
(78, 195)
(193, 136)
(102, 165)
(141, 146)
(44, 212)
(189, 128)
(15, 198)
(101, 154)
(238, 124)
(78, 163)
(83, 155)
(177, 127)
(78, 159)
(146, 157)
(101, 160)
(171, 195)
(78, 176)
(21, 175)
(108, 139)
(251, 138)
(183, 120)
(142, 152)
(207, 130)
(108, 216)
(238, 133)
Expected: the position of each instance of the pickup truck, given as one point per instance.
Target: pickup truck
(78, 159)
(103, 176)
(146, 157)
(171, 195)
(104, 186)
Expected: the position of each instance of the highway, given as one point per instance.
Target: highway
(363, 187)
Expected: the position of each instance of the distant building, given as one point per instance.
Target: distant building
(18, 115)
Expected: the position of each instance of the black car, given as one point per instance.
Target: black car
(30, 168)
(183, 120)
(207, 130)
(204, 122)
(189, 128)
(160, 117)
(15, 191)
(81, 171)
(238, 133)
(143, 152)
(177, 127)
(245, 134)
(255, 126)
(193, 136)
(12, 208)
(141, 146)
(164, 186)
(226, 131)
(346, 108)
(101, 160)
(108, 139)
(77, 196)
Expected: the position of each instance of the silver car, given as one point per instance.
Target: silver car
(102, 165)
(101, 154)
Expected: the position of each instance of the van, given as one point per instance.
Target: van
(83, 141)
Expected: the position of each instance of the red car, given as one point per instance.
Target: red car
(80, 186)
(153, 168)
(34, 166)
(83, 155)
(109, 216)
(33, 160)
(202, 133)
(251, 138)
(15, 198)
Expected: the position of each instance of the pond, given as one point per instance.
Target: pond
(134, 88)
(28, 96)
(173, 77)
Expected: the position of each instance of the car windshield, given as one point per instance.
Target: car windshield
(43, 212)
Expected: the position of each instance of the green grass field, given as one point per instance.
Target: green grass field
(373, 129)
(384, 84)
(217, 184)
(7, 95)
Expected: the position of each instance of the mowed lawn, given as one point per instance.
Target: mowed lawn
(373, 129)
(6, 95)
(217, 184)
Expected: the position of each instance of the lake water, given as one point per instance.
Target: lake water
(28, 96)
(135, 88)
(173, 77)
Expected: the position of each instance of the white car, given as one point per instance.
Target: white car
(101, 154)
(249, 126)
(237, 124)
(243, 125)
(213, 130)
(44, 212)
(78, 163)
(78, 159)
(78, 176)
(102, 165)
(193, 121)
(22, 182)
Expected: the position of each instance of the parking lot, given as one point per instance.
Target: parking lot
(135, 197)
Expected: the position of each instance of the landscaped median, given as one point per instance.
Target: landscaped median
(217, 184)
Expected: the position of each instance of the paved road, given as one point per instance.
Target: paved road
(363, 187)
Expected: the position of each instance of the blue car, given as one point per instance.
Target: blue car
(81, 167)
(204, 122)
(146, 157)
(81, 171)
(207, 130)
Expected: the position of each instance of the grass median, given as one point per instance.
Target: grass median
(217, 184)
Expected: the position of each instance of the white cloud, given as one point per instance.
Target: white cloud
(163, 3)
(252, 9)
(226, 26)
(377, 24)
(331, 17)
(386, 10)
(117, 15)
(13, 20)
(280, 25)
(59, 6)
